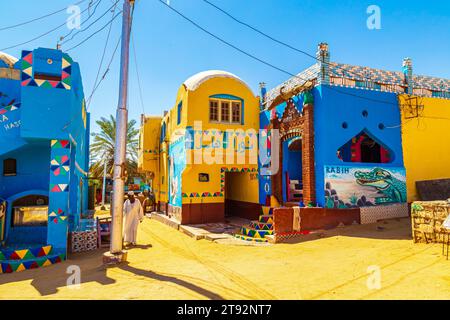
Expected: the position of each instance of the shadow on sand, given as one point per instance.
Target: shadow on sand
(48, 280)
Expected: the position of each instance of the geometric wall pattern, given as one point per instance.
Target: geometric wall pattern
(31, 258)
(27, 76)
(60, 165)
(58, 207)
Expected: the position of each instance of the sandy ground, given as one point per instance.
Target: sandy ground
(170, 265)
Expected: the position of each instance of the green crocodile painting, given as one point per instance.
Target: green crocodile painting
(393, 189)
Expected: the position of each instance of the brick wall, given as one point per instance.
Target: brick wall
(309, 180)
(283, 219)
(314, 218)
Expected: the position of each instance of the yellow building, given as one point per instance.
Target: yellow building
(202, 154)
(425, 139)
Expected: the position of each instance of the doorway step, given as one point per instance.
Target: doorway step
(16, 260)
(258, 230)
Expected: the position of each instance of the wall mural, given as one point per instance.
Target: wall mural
(177, 164)
(347, 187)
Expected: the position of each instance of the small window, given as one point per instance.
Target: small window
(225, 111)
(163, 133)
(41, 76)
(236, 112)
(213, 110)
(203, 177)
(9, 167)
(180, 109)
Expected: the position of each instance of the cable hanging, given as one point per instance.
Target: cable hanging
(39, 18)
(42, 35)
(263, 61)
(96, 32)
(88, 18)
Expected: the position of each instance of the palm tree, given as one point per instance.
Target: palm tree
(102, 147)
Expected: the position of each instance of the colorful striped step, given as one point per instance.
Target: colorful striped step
(265, 219)
(247, 231)
(9, 266)
(247, 238)
(24, 254)
(16, 260)
(261, 225)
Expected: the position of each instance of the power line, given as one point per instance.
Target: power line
(228, 43)
(94, 22)
(104, 51)
(105, 73)
(89, 17)
(274, 39)
(39, 18)
(263, 61)
(42, 35)
(137, 74)
(93, 34)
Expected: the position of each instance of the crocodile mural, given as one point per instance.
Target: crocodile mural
(348, 187)
(393, 189)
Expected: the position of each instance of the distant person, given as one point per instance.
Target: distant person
(149, 202)
(133, 215)
(98, 196)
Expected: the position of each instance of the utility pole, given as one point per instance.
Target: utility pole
(116, 254)
(104, 185)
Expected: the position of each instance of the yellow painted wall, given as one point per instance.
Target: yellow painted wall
(149, 132)
(426, 146)
(196, 108)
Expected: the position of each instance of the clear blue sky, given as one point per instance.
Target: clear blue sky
(169, 49)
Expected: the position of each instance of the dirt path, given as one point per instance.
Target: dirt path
(169, 265)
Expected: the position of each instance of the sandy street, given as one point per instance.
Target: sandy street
(170, 265)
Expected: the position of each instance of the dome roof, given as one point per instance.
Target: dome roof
(8, 59)
(197, 79)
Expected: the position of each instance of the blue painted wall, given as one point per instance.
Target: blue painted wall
(46, 111)
(334, 106)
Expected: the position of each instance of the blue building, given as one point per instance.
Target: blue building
(44, 157)
(340, 136)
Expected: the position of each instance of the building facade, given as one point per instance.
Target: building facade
(44, 156)
(335, 136)
(204, 164)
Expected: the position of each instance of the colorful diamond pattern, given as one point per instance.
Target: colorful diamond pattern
(27, 77)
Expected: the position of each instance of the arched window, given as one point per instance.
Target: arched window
(9, 167)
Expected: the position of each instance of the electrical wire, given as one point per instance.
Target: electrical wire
(104, 52)
(137, 75)
(263, 61)
(276, 40)
(42, 35)
(106, 71)
(82, 23)
(39, 18)
(93, 34)
(91, 24)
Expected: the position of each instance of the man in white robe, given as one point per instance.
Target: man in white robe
(133, 215)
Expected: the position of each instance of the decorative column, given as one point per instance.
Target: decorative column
(308, 158)
(57, 229)
(323, 58)
(407, 73)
